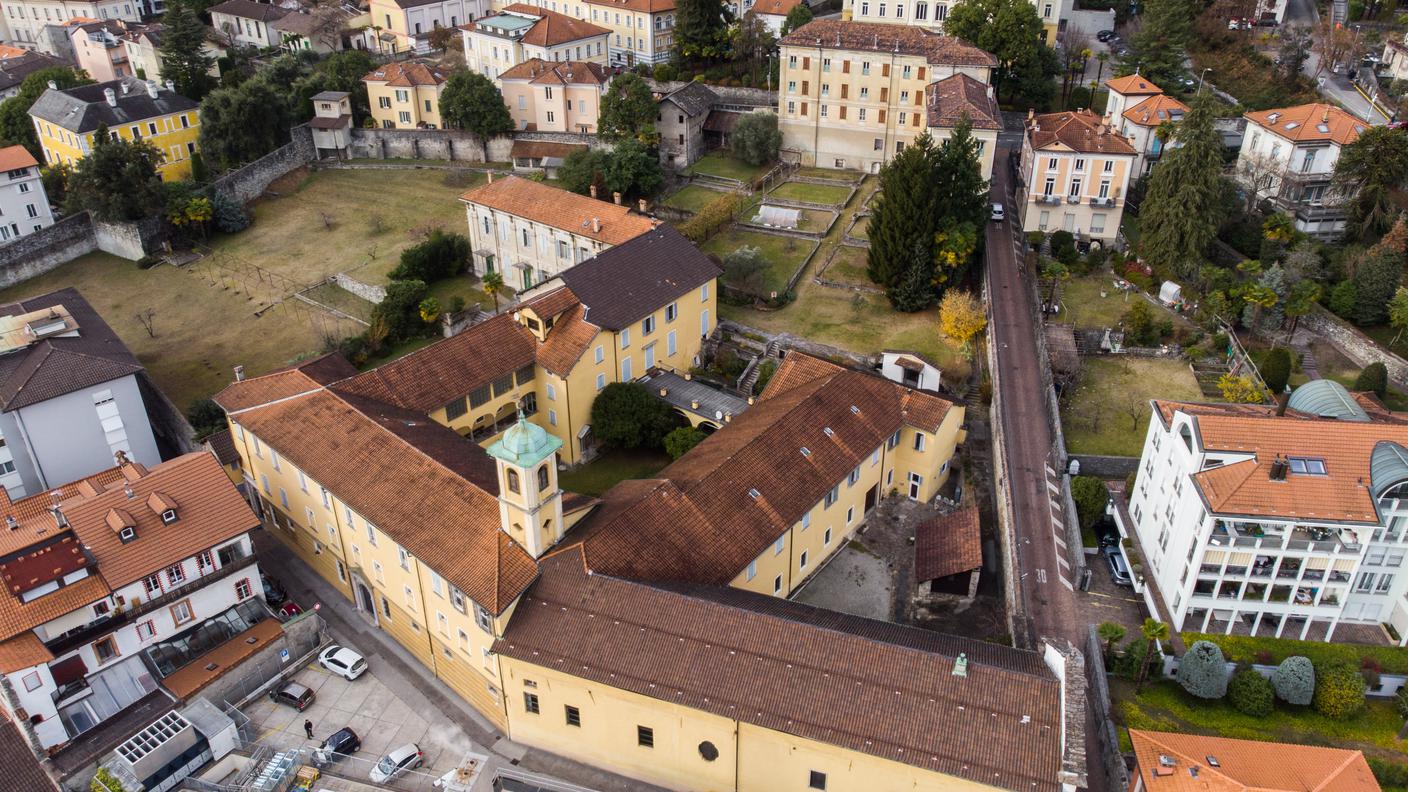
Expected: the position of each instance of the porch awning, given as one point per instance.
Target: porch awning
(69, 669)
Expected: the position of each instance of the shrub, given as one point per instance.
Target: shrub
(711, 218)
(1294, 681)
(400, 309)
(627, 415)
(765, 371)
(744, 268)
(1251, 693)
(1342, 297)
(1127, 664)
(105, 781)
(1090, 495)
(438, 257)
(1374, 378)
(667, 72)
(1390, 775)
(228, 216)
(679, 441)
(1203, 671)
(755, 139)
(1401, 700)
(1339, 691)
(206, 418)
(1276, 369)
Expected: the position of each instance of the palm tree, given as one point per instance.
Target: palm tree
(1111, 633)
(1103, 57)
(493, 284)
(1152, 630)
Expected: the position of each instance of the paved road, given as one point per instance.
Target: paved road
(1335, 86)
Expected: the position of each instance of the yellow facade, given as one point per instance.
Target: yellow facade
(175, 135)
(404, 106)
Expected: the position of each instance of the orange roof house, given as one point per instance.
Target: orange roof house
(1167, 762)
(1311, 123)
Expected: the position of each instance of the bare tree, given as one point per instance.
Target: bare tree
(329, 21)
(1332, 43)
(1260, 173)
(1134, 404)
(146, 320)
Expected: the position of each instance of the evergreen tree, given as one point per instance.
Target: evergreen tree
(755, 138)
(1369, 170)
(1182, 213)
(800, 15)
(1011, 31)
(473, 103)
(914, 290)
(628, 109)
(901, 225)
(1378, 276)
(242, 124)
(1158, 49)
(183, 57)
(117, 180)
(700, 33)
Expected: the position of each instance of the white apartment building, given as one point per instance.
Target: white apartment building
(1074, 175)
(522, 32)
(120, 580)
(1288, 156)
(932, 13)
(1137, 108)
(28, 18)
(530, 232)
(24, 207)
(246, 23)
(1290, 526)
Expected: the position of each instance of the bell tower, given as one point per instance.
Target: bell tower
(530, 503)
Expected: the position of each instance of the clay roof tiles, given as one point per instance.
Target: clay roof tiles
(952, 98)
(1155, 110)
(1133, 85)
(776, 7)
(1245, 765)
(540, 72)
(947, 544)
(301, 377)
(62, 364)
(639, 6)
(1077, 130)
(21, 768)
(936, 48)
(553, 28)
(16, 157)
(407, 74)
(23, 651)
(560, 209)
(1311, 122)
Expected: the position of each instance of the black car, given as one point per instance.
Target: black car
(1105, 35)
(292, 694)
(343, 742)
(274, 594)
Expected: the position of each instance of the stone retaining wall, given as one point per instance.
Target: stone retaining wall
(1353, 344)
(1106, 467)
(371, 293)
(431, 144)
(35, 254)
(248, 182)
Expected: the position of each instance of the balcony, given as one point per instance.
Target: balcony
(1212, 569)
(1072, 199)
(1048, 199)
(1313, 574)
(1237, 570)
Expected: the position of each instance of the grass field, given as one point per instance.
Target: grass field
(693, 197)
(782, 262)
(848, 266)
(830, 173)
(811, 193)
(721, 163)
(810, 220)
(1082, 304)
(1109, 410)
(602, 473)
(861, 230)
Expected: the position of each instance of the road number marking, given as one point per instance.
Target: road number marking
(1041, 576)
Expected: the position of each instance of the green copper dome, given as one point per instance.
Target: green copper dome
(524, 444)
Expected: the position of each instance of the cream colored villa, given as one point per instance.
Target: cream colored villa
(522, 32)
(550, 96)
(1075, 173)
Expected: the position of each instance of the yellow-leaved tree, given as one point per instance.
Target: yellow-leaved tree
(961, 317)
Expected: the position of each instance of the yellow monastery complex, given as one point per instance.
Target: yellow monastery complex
(645, 632)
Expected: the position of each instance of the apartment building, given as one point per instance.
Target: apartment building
(1074, 175)
(773, 13)
(520, 33)
(131, 109)
(529, 231)
(1288, 157)
(17, 63)
(24, 206)
(27, 20)
(246, 23)
(118, 582)
(1288, 525)
(72, 397)
(1168, 762)
(406, 95)
(405, 25)
(1139, 108)
(97, 46)
(960, 98)
(852, 94)
(555, 97)
(641, 31)
(932, 13)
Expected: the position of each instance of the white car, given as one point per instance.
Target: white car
(407, 757)
(343, 661)
(998, 213)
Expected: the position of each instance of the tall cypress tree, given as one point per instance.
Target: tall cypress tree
(902, 223)
(183, 58)
(1181, 214)
(1158, 49)
(700, 32)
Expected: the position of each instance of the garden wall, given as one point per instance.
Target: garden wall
(37, 253)
(1389, 684)
(1106, 467)
(453, 145)
(246, 183)
(370, 293)
(1356, 346)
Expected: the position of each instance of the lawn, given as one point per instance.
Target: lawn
(814, 221)
(784, 254)
(1246, 649)
(861, 230)
(830, 173)
(722, 164)
(203, 329)
(828, 194)
(338, 298)
(1082, 303)
(1108, 411)
(1164, 706)
(602, 473)
(848, 266)
(693, 197)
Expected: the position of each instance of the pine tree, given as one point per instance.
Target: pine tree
(902, 222)
(183, 57)
(1183, 210)
(699, 29)
(1378, 276)
(1158, 49)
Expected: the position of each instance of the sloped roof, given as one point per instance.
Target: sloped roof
(936, 48)
(59, 365)
(1311, 122)
(867, 686)
(951, 99)
(1246, 765)
(776, 7)
(23, 651)
(21, 768)
(694, 98)
(947, 544)
(625, 283)
(407, 74)
(1155, 110)
(16, 157)
(560, 208)
(84, 108)
(640, 6)
(697, 521)
(1133, 85)
(302, 377)
(249, 9)
(553, 28)
(14, 68)
(541, 72)
(1076, 130)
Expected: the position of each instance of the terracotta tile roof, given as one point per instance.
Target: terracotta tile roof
(1076, 130)
(222, 445)
(60, 365)
(1133, 85)
(947, 544)
(1155, 110)
(16, 157)
(868, 686)
(937, 49)
(301, 377)
(21, 768)
(567, 342)
(625, 283)
(553, 28)
(952, 98)
(640, 6)
(17, 617)
(540, 72)
(1246, 765)
(407, 74)
(22, 651)
(776, 7)
(346, 443)
(698, 521)
(1311, 122)
(6, 52)
(560, 209)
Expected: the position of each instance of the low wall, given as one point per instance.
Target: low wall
(131, 241)
(452, 145)
(369, 292)
(1106, 467)
(35, 254)
(1353, 344)
(246, 183)
(1389, 684)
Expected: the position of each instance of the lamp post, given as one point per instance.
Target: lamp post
(1202, 77)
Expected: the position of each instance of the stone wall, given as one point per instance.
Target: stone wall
(1106, 467)
(433, 144)
(369, 292)
(752, 97)
(250, 181)
(42, 251)
(131, 241)
(1356, 346)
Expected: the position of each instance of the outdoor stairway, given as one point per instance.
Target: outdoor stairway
(1207, 374)
(1307, 362)
(746, 383)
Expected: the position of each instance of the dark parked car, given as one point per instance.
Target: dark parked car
(292, 694)
(1118, 571)
(1105, 35)
(273, 592)
(343, 742)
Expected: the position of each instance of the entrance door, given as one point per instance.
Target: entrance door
(364, 599)
(871, 496)
(915, 482)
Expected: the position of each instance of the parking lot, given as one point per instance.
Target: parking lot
(374, 712)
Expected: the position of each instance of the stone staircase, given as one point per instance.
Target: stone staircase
(750, 377)
(1307, 362)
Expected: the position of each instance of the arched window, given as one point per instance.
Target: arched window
(542, 477)
(921, 11)
(1187, 435)
(513, 481)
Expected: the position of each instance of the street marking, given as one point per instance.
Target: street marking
(1054, 489)
(1061, 559)
(1067, 584)
(1041, 576)
(1059, 540)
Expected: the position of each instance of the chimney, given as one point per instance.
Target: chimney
(960, 665)
(53, 86)
(1282, 399)
(110, 96)
(11, 522)
(1325, 119)
(616, 197)
(593, 188)
(127, 490)
(171, 86)
(239, 373)
(1031, 113)
(642, 204)
(151, 88)
(596, 221)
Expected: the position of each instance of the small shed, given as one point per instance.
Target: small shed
(948, 553)
(1170, 293)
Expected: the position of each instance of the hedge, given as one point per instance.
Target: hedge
(1270, 651)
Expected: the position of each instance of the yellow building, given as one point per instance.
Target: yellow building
(406, 95)
(642, 31)
(131, 109)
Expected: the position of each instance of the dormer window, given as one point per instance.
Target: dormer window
(168, 516)
(127, 535)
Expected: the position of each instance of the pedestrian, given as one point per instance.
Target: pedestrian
(308, 728)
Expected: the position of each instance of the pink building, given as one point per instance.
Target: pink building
(98, 48)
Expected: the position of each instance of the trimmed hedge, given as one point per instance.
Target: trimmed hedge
(1339, 691)
(1202, 671)
(1294, 681)
(1245, 649)
(1251, 693)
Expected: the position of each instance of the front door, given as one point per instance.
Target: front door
(871, 496)
(915, 482)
